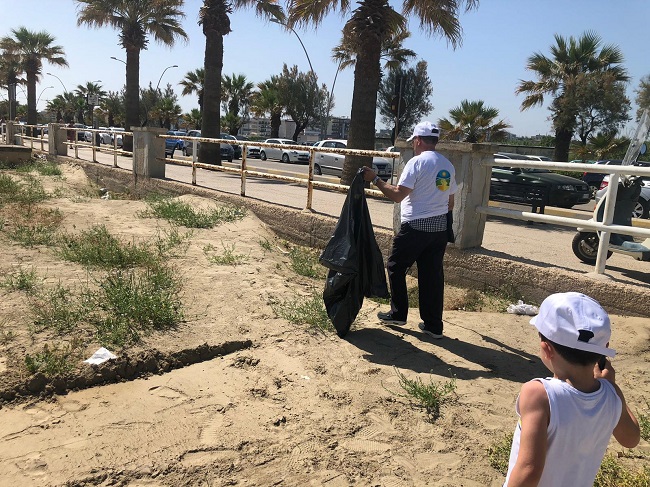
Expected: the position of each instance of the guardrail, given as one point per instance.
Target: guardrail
(244, 172)
(606, 226)
(73, 140)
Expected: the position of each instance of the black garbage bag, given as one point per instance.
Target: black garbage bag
(355, 263)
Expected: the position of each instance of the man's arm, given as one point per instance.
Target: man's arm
(393, 193)
(535, 415)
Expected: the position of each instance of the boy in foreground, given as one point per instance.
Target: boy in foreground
(567, 421)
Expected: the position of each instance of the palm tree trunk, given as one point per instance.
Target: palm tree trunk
(211, 118)
(276, 121)
(132, 95)
(563, 138)
(367, 75)
(32, 118)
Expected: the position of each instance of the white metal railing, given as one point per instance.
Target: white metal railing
(243, 171)
(605, 226)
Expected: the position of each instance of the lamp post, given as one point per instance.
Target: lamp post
(311, 68)
(163, 73)
(116, 59)
(64, 88)
(39, 96)
(279, 22)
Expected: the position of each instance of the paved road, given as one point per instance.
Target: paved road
(540, 244)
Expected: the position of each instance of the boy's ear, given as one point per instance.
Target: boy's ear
(548, 349)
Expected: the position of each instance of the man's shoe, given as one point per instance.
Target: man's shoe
(436, 336)
(387, 318)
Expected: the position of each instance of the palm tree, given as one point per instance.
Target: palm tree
(193, 83)
(29, 49)
(135, 19)
(267, 100)
(472, 121)
(90, 88)
(193, 119)
(556, 77)
(167, 111)
(111, 107)
(366, 30)
(10, 72)
(213, 16)
(236, 93)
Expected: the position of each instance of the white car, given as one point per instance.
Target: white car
(331, 163)
(285, 155)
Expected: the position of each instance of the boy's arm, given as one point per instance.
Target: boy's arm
(627, 431)
(535, 414)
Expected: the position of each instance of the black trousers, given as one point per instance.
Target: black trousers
(427, 249)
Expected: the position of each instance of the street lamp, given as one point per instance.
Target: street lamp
(279, 22)
(39, 96)
(116, 59)
(64, 88)
(160, 79)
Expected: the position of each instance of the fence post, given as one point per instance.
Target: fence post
(148, 152)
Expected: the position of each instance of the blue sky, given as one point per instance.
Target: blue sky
(498, 38)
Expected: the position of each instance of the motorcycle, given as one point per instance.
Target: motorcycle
(585, 242)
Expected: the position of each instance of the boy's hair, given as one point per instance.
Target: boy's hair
(572, 355)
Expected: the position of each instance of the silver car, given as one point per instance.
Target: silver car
(642, 207)
(331, 163)
(285, 155)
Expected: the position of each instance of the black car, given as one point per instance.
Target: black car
(593, 179)
(236, 148)
(537, 187)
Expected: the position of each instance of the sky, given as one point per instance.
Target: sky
(498, 38)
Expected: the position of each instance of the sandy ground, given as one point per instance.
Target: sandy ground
(297, 407)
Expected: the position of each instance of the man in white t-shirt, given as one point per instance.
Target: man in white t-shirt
(426, 190)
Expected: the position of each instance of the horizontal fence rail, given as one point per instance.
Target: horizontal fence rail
(310, 182)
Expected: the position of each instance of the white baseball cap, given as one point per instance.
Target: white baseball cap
(576, 321)
(424, 129)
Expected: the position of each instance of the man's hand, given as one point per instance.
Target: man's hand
(368, 174)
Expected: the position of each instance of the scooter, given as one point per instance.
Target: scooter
(585, 243)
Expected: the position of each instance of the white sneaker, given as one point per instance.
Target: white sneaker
(436, 336)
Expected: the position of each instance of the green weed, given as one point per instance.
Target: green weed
(31, 235)
(180, 213)
(265, 244)
(499, 454)
(613, 473)
(430, 396)
(21, 280)
(6, 335)
(54, 359)
(304, 262)
(310, 311)
(96, 247)
(135, 302)
(228, 257)
(59, 310)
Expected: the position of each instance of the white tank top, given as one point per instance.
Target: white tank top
(579, 430)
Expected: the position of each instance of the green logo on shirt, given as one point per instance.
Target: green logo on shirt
(443, 180)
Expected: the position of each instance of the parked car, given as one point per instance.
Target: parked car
(331, 163)
(526, 185)
(116, 134)
(235, 147)
(226, 150)
(80, 132)
(285, 155)
(642, 208)
(593, 179)
(251, 150)
(172, 144)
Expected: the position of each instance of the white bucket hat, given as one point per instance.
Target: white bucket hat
(575, 321)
